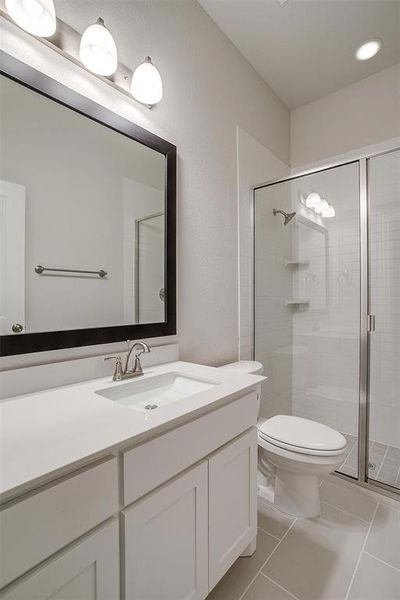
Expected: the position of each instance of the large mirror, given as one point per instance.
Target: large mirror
(87, 220)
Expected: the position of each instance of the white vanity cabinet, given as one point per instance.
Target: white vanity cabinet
(182, 538)
(166, 540)
(162, 520)
(88, 570)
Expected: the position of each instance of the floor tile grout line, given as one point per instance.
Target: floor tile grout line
(267, 559)
(381, 560)
(270, 534)
(383, 460)
(361, 553)
(390, 506)
(348, 513)
(279, 586)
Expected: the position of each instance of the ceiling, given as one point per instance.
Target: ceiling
(304, 49)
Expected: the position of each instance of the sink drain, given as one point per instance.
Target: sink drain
(151, 406)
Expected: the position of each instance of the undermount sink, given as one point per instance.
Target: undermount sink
(154, 392)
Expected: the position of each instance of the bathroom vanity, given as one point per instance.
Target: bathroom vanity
(105, 498)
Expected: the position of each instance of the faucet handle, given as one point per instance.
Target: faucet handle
(118, 367)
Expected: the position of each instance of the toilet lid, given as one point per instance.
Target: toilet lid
(294, 433)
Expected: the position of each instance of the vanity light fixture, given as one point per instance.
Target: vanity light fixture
(313, 200)
(146, 84)
(322, 206)
(328, 212)
(369, 49)
(35, 16)
(98, 51)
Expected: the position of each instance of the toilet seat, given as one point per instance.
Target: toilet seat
(301, 436)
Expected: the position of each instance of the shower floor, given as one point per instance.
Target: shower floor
(384, 461)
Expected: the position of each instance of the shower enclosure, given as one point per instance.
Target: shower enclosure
(327, 306)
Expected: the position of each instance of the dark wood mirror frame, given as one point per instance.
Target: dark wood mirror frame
(54, 340)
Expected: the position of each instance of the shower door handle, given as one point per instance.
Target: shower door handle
(371, 323)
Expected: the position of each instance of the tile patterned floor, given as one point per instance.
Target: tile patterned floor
(384, 460)
(351, 552)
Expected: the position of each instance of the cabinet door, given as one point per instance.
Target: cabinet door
(166, 541)
(233, 503)
(89, 570)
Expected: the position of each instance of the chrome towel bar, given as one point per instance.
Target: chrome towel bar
(39, 270)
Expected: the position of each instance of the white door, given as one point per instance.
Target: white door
(233, 503)
(12, 257)
(88, 571)
(166, 541)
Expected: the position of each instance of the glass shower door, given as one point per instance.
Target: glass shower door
(307, 300)
(384, 304)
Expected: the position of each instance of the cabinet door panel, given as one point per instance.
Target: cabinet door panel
(89, 570)
(233, 503)
(166, 541)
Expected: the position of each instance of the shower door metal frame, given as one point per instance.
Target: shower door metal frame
(364, 332)
(137, 259)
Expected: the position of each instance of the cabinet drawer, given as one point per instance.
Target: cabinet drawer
(37, 526)
(151, 464)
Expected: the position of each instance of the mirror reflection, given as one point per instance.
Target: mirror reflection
(82, 236)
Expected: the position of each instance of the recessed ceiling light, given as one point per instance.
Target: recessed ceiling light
(368, 49)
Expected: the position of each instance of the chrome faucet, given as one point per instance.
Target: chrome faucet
(121, 372)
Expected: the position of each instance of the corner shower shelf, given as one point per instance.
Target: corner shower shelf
(295, 301)
(296, 263)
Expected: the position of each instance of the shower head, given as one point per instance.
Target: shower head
(288, 216)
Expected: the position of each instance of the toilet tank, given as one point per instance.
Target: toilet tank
(252, 367)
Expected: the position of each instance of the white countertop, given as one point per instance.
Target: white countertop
(47, 433)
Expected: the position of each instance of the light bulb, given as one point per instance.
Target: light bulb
(323, 205)
(368, 49)
(328, 212)
(35, 16)
(313, 200)
(146, 85)
(98, 51)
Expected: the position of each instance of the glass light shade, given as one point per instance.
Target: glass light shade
(146, 85)
(328, 212)
(35, 16)
(322, 206)
(313, 200)
(368, 49)
(98, 51)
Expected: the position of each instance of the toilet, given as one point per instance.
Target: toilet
(293, 454)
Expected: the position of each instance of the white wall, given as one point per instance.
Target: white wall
(209, 90)
(255, 163)
(365, 113)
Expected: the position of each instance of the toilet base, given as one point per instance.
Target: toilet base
(297, 495)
